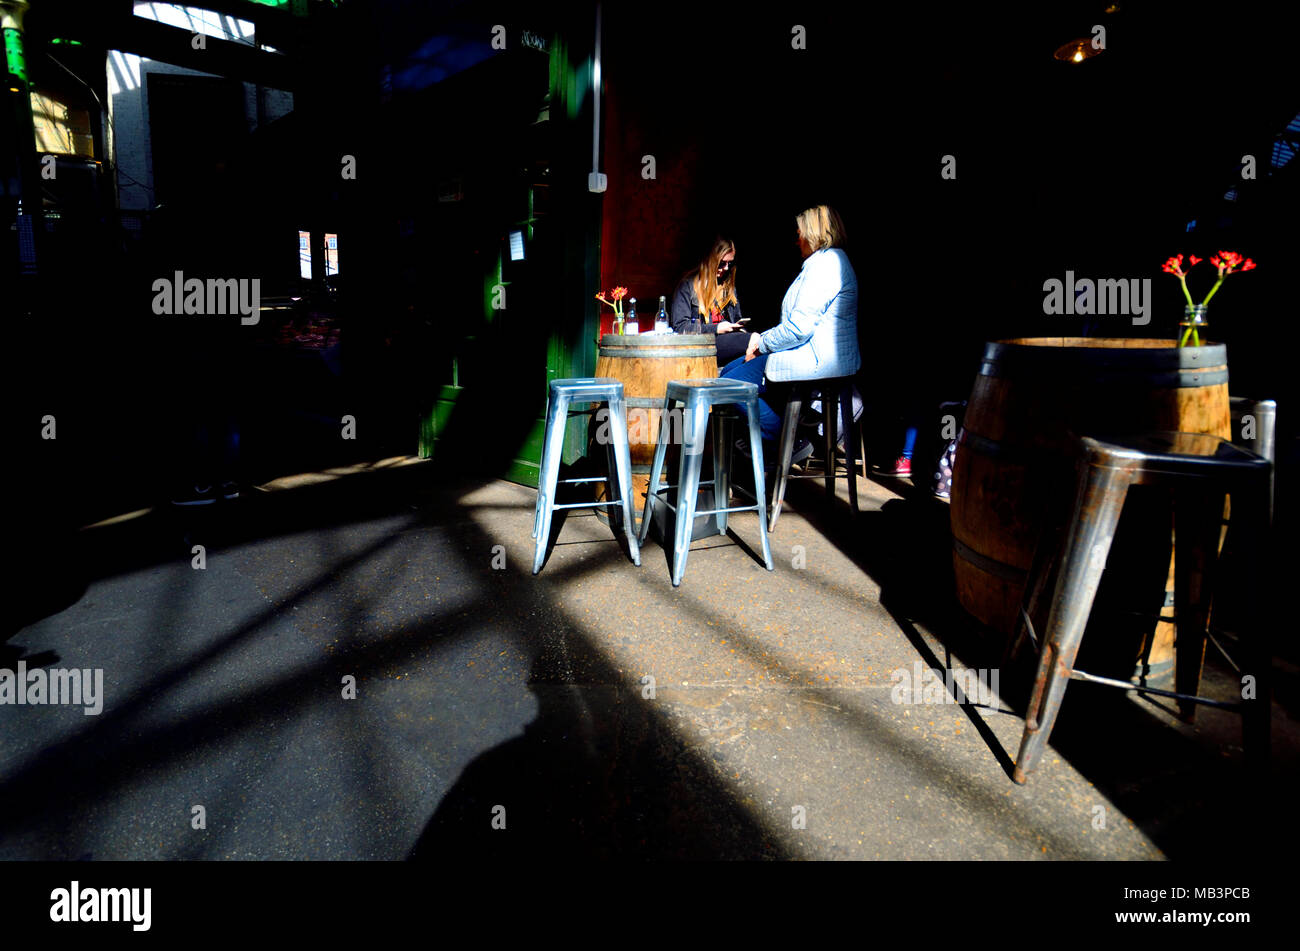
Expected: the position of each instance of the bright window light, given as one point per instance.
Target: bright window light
(304, 254)
(197, 20)
(331, 254)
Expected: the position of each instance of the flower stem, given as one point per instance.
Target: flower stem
(1212, 290)
(1186, 293)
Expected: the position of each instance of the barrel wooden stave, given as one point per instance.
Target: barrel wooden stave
(645, 364)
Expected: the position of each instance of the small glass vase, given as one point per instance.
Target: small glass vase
(1193, 325)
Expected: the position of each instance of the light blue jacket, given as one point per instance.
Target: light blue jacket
(818, 334)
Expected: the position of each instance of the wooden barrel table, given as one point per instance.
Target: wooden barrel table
(1014, 470)
(645, 363)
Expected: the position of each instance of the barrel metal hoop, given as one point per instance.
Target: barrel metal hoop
(1108, 376)
(992, 566)
(994, 449)
(658, 340)
(638, 352)
(1113, 359)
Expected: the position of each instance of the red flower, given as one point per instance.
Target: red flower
(1229, 261)
(619, 293)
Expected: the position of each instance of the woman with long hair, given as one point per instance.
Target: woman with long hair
(817, 337)
(708, 293)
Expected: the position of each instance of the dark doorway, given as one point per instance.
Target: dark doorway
(195, 121)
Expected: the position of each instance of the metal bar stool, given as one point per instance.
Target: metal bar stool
(563, 393)
(1254, 426)
(835, 391)
(1202, 469)
(697, 397)
(1262, 440)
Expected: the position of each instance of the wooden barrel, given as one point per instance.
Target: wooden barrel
(1014, 469)
(645, 363)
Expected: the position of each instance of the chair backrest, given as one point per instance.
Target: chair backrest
(1259, 418)
(1262, 415)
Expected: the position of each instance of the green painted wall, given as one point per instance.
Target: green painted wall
(488, 403)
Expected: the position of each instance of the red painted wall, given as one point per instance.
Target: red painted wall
(646, 229)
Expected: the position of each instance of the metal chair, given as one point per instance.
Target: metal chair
(1201, 469)
(697, 398)
(1253, 427)
(1259, 419)
(835, 391)
(564, 393)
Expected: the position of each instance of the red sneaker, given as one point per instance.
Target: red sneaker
(902, 468)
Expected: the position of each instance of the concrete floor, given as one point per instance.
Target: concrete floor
(483, 692)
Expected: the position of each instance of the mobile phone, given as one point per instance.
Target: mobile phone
(742, 320)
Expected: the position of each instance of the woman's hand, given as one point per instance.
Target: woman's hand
(752, 350)
(726, 326)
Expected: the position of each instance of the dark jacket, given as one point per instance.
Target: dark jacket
(685, 308)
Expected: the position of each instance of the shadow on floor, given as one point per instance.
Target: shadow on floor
(599, 773)
(1190, 791)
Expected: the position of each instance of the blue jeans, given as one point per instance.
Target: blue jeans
(769, 423)
(909, 442)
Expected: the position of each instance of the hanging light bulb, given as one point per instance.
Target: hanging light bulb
(1076, 51)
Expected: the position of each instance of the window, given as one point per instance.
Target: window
(331, 254)
(304, 254)
(61, 129)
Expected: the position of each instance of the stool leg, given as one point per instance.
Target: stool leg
(846, 427)
(1198, 520)
(862, 446)
(695, 421)
(784, 452)
(828, 428)
(1100, 497)
(622, 472)
(656, 469)
(613, 477)
(556, 415)
(541, 468)
(721, 457)
(1047, 556)
(756, 451)
(1251, 511)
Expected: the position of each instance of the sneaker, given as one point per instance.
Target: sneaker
(197, 495)
(901, 468)
(803, 448)
(230, 490)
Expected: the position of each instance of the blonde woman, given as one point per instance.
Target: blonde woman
(708, 293)
(818, 334)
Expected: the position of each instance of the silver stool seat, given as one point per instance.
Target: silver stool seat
(564, 393)
(697, 398)
(1201, 469)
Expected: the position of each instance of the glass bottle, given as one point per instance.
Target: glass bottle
(661, 318)
(630, 326)
(1193, 325)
